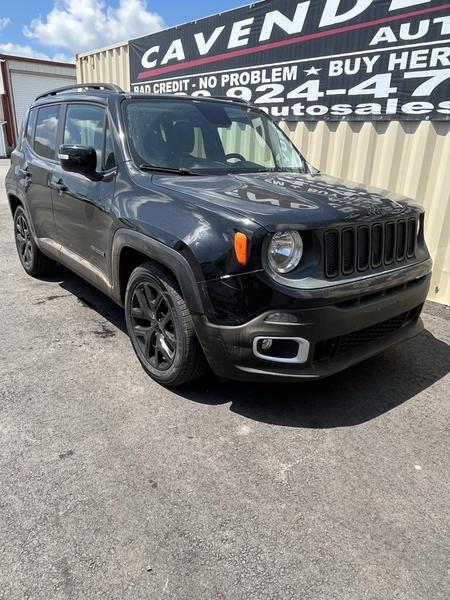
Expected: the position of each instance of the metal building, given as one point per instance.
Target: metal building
(409, 158)
(21, 80)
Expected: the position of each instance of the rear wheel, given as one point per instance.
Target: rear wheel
(160, 327)
(33, 261)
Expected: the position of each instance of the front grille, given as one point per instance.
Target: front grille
(348, 251)
(389, 243)
(332, 253)
(358, 249)
(363, 248)
(345, 343)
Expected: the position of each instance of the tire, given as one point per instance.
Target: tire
(31, 258)
(160, 327)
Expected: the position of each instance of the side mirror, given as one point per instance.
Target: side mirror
(79, 159)
(312, 170)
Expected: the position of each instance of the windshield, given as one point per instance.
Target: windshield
(207, 137)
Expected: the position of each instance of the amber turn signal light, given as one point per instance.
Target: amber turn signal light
(241, 247)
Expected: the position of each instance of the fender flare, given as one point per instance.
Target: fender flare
(22, 198)
(161, 253)
(13, 189)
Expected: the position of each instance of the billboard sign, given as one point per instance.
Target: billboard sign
(310, 60)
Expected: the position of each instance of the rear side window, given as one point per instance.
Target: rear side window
(46, 131)
(30, 126)
(84, 125)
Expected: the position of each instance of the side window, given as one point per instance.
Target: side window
(84, 125)
(30, 126)
(109, 157)
(46, 130)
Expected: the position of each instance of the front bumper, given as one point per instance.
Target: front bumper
(339, 335)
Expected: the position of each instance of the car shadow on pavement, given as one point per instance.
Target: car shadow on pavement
(88, 296)
(354, 396)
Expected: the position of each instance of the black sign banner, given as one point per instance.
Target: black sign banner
(360, 60)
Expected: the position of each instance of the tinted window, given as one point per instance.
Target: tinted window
(84, 125)
(46, 130)
(109, 158)
(206, 136)
(250, 140)
(30, 126)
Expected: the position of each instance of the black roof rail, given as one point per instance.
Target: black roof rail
(108, 87)
(231, 99)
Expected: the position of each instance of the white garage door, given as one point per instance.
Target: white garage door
(26, 87)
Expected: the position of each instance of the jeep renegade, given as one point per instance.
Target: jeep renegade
(225, 247)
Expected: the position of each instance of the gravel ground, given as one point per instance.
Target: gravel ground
(113, 487)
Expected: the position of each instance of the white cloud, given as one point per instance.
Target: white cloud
(80, 25)
(20, 50)
(62, 57)
(29, 52)
(4, 22)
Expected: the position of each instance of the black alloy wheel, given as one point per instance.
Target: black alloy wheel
(33, 261)
(160, 327)
(153, 325)
(23, 241)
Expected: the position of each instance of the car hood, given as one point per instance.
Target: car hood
(304, 201)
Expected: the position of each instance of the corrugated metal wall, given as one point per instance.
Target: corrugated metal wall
(410, 158)
(107, 65)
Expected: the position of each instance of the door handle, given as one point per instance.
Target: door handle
(25, 172)
(59, 185)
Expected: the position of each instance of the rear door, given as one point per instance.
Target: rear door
(38, 163)
(82, 205)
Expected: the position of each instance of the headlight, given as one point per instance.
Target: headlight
(285, 251)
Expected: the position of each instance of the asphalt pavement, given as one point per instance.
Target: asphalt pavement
(112, 487)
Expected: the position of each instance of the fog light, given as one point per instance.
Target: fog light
(266, 344)
(281, 349)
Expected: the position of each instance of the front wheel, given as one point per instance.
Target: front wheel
(33, 261)
(160, 327)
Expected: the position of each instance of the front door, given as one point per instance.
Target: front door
(82, 205)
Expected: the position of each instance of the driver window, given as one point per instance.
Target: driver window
(84, 125)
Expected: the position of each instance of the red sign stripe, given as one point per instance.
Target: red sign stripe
(297, 40)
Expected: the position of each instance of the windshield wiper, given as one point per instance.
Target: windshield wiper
(264, 170)
(148, 167)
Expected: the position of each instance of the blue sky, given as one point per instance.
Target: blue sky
(57, 29)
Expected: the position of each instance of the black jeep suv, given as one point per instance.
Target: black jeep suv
(223, 244)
